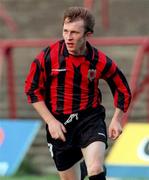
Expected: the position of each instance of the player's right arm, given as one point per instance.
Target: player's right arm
(35, 91)
(55, 127)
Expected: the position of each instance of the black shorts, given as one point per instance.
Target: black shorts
(83, 128)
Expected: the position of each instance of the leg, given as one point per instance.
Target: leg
(66, 157)
(94, 157)
(84, 170)
(72, 173)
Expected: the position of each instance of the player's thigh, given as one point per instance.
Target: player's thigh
(94, 153)
(72, 173)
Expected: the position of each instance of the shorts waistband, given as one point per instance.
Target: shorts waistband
(79, 113)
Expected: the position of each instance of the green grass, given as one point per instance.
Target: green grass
(30, 177)
(51, 177)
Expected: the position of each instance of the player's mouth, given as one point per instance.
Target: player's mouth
(70, 45)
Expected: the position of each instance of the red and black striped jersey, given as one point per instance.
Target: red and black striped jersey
(69, 84)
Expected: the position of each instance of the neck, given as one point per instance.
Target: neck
(81, 51)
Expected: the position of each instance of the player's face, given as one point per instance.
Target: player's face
(74, 36)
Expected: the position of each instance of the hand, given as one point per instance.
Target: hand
(115, 129)
(57, 130)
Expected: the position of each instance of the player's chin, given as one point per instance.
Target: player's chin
(71, 51)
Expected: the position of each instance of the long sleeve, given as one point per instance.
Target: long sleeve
(117, 83)
(35, 81)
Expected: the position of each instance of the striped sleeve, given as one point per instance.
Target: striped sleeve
(117, 83)
(35, 80)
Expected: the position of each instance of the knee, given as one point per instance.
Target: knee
(64, 177)
(94, 169)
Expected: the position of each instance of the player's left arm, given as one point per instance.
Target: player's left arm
(121, 93)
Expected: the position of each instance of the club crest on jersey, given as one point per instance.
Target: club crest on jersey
(91, 74)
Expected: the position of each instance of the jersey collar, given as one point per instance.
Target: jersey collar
(89, 53)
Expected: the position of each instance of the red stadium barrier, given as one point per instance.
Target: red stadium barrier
(11, 82)
(110, 41)
(1, 63)
(7, 46)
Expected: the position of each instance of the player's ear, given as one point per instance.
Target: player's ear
(89, 34)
